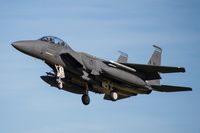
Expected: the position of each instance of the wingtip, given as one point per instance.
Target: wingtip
(188, 89)
(182, 69)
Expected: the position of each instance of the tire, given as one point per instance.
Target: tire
(60, 85)
(114, 95)
(85, 99)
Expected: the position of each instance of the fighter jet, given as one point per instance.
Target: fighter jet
(79, 72)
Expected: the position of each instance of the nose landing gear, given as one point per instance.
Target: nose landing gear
(60, 74)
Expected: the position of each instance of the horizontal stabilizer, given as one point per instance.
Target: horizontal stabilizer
(167, 88)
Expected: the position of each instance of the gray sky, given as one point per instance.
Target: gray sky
(101, 28)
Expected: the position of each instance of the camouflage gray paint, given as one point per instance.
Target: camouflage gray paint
(79, 72)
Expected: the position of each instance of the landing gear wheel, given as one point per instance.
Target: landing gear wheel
(85, 99)
(114, 95)
(60, 84)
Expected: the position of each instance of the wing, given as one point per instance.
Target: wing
(146, 72)
(151, 72)
(153, 69)
(167, 88)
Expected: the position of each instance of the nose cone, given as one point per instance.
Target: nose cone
(23, 46)
(17, 45)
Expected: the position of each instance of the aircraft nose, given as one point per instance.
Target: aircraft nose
(17, 45)
(23, 46)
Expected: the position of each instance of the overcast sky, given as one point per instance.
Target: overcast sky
(101, 28)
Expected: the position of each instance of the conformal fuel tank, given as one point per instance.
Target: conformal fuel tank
(124, 76)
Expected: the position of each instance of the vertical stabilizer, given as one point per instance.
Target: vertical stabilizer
(123, 58)
(156, 56)
(155, 60)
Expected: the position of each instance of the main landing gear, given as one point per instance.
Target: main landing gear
(85, 99)
(60, 74)
(113, 95)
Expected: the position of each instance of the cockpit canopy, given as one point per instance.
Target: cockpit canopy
(54, 40)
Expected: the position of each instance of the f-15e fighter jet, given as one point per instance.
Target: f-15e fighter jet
(79, 72)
